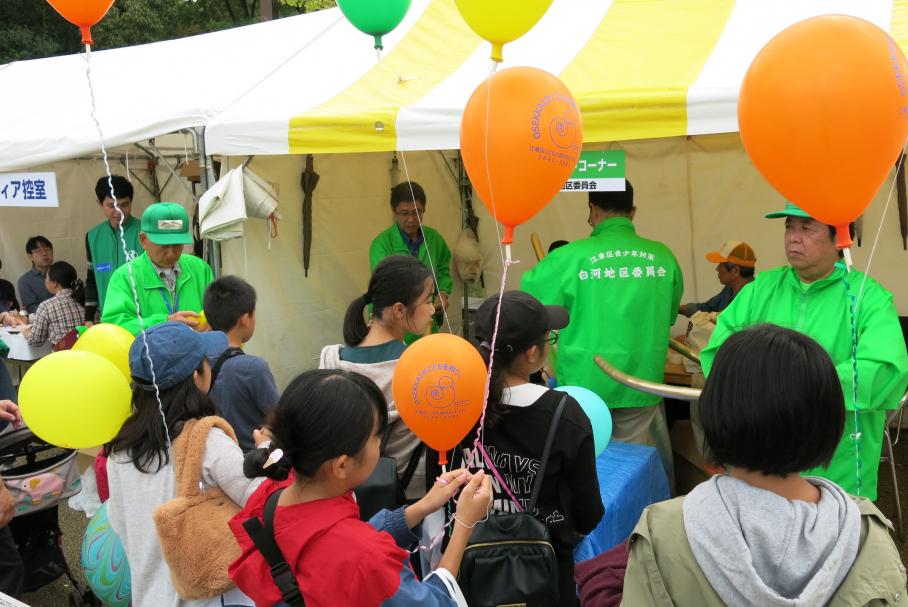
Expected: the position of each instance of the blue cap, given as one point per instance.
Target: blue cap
(176, 351)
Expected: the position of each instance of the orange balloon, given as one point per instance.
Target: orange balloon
(438, 387)
(82, 13)
(823, 114)
(520, 136)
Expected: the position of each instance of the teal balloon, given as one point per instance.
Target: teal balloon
(595, 409)
(104, 562)
(374, 17)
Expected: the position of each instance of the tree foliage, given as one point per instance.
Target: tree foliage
(31, 29)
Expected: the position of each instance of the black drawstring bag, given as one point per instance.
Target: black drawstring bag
(383, 488)
(510, 559)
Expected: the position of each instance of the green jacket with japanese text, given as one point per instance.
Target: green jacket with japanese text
(822, 311)
(154, 299)
(622, 292)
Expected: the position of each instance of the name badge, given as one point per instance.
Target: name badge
(103, 267)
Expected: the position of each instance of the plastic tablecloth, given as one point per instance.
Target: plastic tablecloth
(631, 477)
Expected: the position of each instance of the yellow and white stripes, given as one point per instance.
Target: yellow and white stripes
(638, 68)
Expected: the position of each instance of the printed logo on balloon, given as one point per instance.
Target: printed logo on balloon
(521, 137)
(438, 389)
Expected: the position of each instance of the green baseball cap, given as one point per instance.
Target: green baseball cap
(790, 210)
(166, 223)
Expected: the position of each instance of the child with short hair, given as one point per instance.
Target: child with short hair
(760, 534)
(56, 318)
(328, 427)
(241, 384)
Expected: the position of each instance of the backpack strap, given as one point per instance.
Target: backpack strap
(263, 538)
(219, 362)
(189, 451)
(537, 484)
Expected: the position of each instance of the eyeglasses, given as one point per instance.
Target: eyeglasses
(409, 214)
(552, 339)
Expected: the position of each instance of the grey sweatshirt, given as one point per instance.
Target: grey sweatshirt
(402, 441)
(134, 496)
(759, 549)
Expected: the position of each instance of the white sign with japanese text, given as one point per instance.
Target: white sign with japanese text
(28, 190)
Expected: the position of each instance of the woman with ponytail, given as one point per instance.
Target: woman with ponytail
(326, 431)
(518, 416)
(401, 295)
(58, 316)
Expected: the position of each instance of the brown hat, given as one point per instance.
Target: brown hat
(736, 252)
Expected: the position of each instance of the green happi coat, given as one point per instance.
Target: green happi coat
(821, 310)
(623, 292)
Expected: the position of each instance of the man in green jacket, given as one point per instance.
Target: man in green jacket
(103, 246)
(408, 203)
(622, 291)
(170, 285)
(814, 295)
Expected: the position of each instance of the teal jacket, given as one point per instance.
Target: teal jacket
(622, 292)
(390, 242)
(154, 299)
(821, 310)
(105, 255)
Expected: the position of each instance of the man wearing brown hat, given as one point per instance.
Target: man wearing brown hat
(736, 262)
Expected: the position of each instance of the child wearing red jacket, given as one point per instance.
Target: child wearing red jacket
(329, 424)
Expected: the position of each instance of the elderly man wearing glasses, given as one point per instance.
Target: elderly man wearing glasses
(410, 236)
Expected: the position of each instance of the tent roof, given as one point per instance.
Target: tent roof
(312, 84)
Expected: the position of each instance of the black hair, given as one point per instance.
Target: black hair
(142, 435)
(504, 358)
(557, 245)
(402, 193)
(8, 295)
(121, 187)
(744, 271)
(399, 278)
(65, 275)
(615, 202)
(772, 402)
(226, 300)
(37, 241)
(323, 414)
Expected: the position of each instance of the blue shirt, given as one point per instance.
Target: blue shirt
(413, 245)
(32, 290)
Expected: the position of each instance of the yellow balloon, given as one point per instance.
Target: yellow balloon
(501, 21)
(110, 341)
(74, 399)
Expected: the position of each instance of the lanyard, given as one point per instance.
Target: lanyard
(176, 300)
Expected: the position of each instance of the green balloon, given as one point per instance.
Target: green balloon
(374, 17)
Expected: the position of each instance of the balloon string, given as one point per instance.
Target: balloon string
(132, 278)
(444, 309)
(856, 434)
(879, 229)
(480, 431)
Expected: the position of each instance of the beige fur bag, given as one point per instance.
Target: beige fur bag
(196, 542)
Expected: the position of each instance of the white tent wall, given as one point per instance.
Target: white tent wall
(692, 193)
(65, 226)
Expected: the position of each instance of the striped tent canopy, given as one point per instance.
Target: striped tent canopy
(312, 84)
(639, 69)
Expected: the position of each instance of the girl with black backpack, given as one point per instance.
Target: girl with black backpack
(518, 420)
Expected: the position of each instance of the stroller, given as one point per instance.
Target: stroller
(39, 476)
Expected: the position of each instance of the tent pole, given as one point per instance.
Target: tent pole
(206, 175)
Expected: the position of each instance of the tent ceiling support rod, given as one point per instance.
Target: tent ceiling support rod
(206, 176)
(152, 150)
(137, 178)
